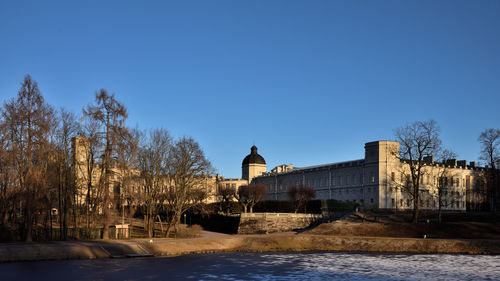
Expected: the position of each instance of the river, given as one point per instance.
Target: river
(264, 266)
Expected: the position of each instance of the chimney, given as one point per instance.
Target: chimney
(451, 162)
(429, 159)
(462, 163)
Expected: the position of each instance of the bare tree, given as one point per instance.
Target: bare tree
(188, 171)
(154, 164)
(7, 185)
(249, 195)
(417, 140)
(440, 179)
(244, 197)
(226, 195)
(490, 153)
(111, 114)
(27, 121)
(299, 196)
(86, 151)
(128, 164)
(62, 178)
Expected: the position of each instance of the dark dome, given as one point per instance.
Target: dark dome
(253, 157)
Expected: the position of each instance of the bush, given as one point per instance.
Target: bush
(216, 222)
(221, 208)
(338, 206)
(192, 231)
(279, 206)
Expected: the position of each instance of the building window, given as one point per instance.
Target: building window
(392, 200)
(393, 176)
(233, 186)
(371, 200)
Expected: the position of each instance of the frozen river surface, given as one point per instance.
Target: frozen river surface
(264, 266)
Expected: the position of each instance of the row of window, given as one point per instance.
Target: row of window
(434, 180)
(272, 188)
(444, 192)
(322, 182)
(427, 203)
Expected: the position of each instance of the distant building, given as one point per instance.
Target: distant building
(124, 181)
(253, 165)
(375, 181)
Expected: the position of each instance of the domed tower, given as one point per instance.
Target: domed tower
(253, 165)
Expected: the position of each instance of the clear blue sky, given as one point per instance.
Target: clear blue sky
(308, 82)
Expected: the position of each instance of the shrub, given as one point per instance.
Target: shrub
(193, 231)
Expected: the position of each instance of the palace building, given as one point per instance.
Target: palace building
(376, 181)
(124, 182)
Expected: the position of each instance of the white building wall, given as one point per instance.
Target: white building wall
(368, 181)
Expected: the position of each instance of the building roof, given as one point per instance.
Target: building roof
(336, 165)
(253, 157)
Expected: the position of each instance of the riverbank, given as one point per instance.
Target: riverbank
(289, 242)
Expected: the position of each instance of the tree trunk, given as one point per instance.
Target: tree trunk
(415, 212)
(151, 226)
(60, 209)
(177, 216)
(50, 228)
(168, 229)
(29, 222)
(105, 227)
(439, 213)
(415, 205)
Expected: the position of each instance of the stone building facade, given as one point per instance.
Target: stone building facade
(378, 181)
(124, 182)
(253, 165)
